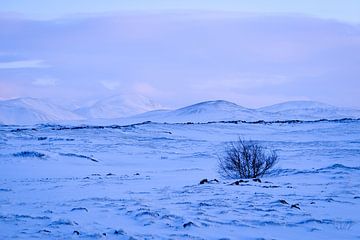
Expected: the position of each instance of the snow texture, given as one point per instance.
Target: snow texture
(142, 181)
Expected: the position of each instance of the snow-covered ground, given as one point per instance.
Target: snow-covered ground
(142, 182)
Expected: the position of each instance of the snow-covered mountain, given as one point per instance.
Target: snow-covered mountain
(218, 110)
(31, 110)
(226, 111)
(128, 109)
(309, 110)
(117, 107)
(295, 105)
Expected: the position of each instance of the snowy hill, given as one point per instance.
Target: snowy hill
(210, 107)
(227, 111)
(208, 111)
(309, 110)
(296, 105)
(212, 111)
(30, 111)
(127, 109)
(117, 107)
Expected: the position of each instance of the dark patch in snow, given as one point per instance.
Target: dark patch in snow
(188, 224)
(239, 181)
(271, 186)
(29, 154)
(204, 204)
(31, 217)
(130, 126)
(147, 213)
(204, 181)
(79, 209)
(295, 121)
(5, 190)
(283, 201)
(23, 129)
(257, 180)
(214, 180)
(79, 156)
(295, 206)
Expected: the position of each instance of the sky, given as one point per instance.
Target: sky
(254, 53)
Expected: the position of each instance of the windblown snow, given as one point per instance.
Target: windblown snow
(82, 173)
(142, 181)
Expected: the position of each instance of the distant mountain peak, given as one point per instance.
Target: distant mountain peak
(208, 106)
(29, 110)
(296, 105)
(136, 108)
(118, 106)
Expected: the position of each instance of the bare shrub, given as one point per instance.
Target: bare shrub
(246, 160)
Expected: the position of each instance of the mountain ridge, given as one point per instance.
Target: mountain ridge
(134, 109)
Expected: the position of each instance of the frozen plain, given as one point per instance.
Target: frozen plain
(142, 182)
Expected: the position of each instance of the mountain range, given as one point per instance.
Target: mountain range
(132, 109)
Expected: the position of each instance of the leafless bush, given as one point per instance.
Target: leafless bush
(246, 160)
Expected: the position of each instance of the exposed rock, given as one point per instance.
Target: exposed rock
(188, 224)
(239, 181)
(204, 181)
(295, 206)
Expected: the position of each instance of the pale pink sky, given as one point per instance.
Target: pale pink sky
(178, 57)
